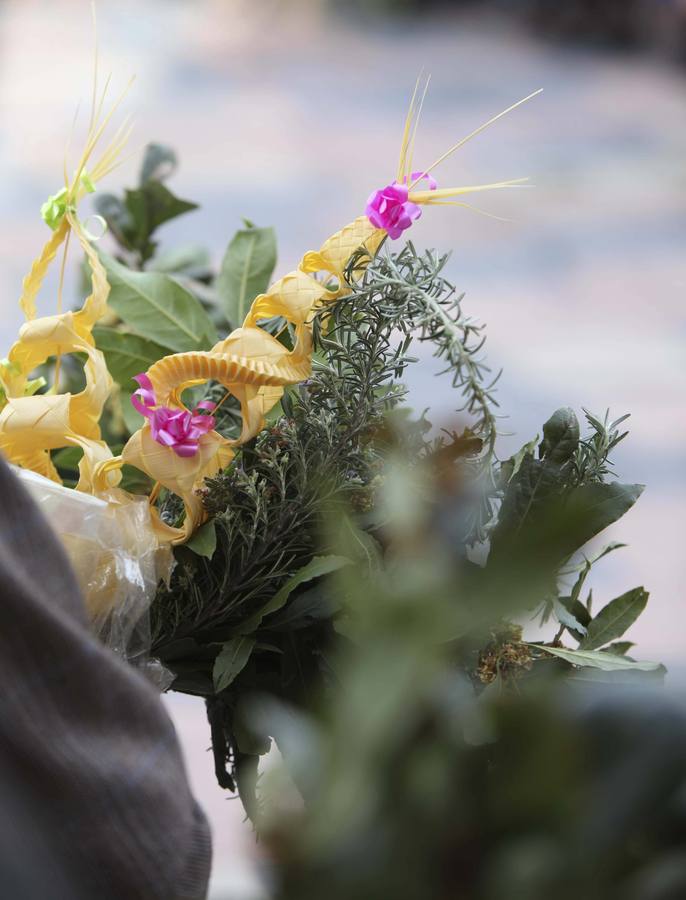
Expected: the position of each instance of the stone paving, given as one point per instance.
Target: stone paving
(289, 117)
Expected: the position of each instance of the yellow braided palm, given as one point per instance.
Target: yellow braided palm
(30, 427)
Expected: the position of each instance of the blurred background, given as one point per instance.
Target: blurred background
(290, 113)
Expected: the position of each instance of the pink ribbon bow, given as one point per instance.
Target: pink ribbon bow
(175, 428)
(390, 209)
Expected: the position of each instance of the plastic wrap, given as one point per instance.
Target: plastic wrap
(117, 558)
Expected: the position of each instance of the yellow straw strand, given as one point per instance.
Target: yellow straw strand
(406, 132)
(94, 93)
(408, 174)
(431, 197)
(477, 131)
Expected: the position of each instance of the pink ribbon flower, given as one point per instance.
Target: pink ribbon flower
(389, 208)
(175, 428)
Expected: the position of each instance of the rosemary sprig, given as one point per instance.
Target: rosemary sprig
(409, 292)
(591, 461)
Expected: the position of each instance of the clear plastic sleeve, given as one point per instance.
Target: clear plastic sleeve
(118, 562)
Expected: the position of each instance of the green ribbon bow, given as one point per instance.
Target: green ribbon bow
(55, 207)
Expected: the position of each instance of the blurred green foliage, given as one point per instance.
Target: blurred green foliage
(404, 781)
(360, 590)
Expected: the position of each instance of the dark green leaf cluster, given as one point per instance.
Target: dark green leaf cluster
(270, 507)
(417, 786)
(134, 219)
(571, 470)
(346, 509)
(238, 618)
(329, 445)
(414, 787)
(530, 481)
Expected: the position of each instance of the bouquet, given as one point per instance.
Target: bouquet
(234, 468)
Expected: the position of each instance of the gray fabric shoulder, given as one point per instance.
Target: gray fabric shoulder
(84, 739)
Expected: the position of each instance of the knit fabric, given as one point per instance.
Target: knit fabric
(86, 745)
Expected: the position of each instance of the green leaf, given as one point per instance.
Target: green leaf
(579, 583)
(119, 220)
(565, 614)
(620, 648)
(537, 517)
(126, 354)
(159, 163)
(246, 784)
(274, 414)
(511, 466)
(158, 308)
(134, 481)
(193, 682)
(66, 461)
(315, 568)
(359, 546)
(132, 418)
(150, 206)
(246, 270)
(614, 619)
(605, 551)
(597, 659)
(577, 611)
(231, 661)
(204, 541)
(560, 436)
(312, 605)
(527, 494)
(628, 677)
(590, 508)
(67, 457)
(248, 739)
(191, 260)
(134, 220)
(533, 483)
